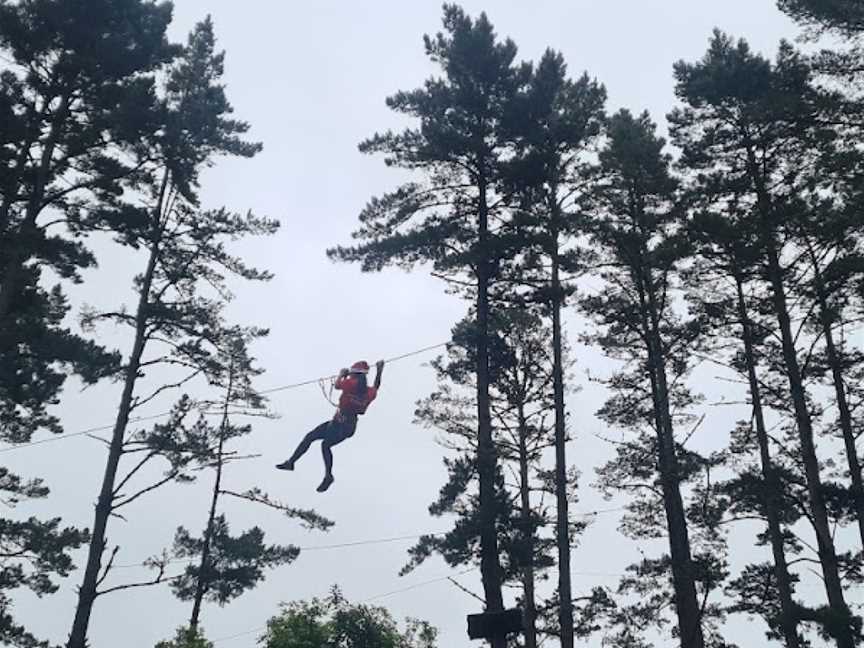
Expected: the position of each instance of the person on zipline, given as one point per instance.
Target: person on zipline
(356, 397)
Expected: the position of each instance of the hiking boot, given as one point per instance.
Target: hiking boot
(328, 480)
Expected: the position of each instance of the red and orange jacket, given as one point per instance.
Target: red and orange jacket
(350, 402)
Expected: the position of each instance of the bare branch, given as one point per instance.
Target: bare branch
(160, 578)
(132, 472)
(108, 566)
(131, 498)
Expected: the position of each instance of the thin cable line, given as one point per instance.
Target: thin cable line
(314, 381)
(151, 417)
(355, 543)
(342, 545)
(361, 543)
(432, 581)
(361, 602)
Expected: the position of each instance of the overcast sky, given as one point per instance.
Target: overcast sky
(311, 77)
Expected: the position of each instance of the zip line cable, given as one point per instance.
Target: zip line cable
(391, 592)
(402, 590)
(418, 585)
(431, 581)
(330, 377)
(151, 417)
(358, 543)
(343, 545)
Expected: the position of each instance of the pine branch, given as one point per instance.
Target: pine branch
(160, 578)
(131, 498)
(140, 402)
(108, 566)
(309, 519)
(132, 472)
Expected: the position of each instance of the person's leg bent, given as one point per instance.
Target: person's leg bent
(317, 434)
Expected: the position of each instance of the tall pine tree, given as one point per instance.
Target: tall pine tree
(177, 321)
(555, 129)
(450, 215)
(634, 227)
(76, 96)
(522, 406)
(751, 131)
(226, 566)
(76, 82)
(725, 286)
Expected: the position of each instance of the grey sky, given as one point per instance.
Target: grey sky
(311, 78)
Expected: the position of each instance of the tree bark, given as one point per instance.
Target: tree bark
(87, 592)
(686, 600)
(490, 565)
(819, 514)
(687, 606)
(204, 565)
(565, 608)
(529, 612)
(842, 631)
(789, 620)
(844, 412)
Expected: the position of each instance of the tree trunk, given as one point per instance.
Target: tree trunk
(565, 609)
(819, 514)
(204, 565)
(789, 620)
(842, 632)
(840, 393)
(88, 591)
(686, 600)
(490, 566)
(529, 612)
(683, 578)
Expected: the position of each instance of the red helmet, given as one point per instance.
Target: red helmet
(361, 367)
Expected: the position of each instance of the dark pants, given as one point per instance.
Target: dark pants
(330, 433)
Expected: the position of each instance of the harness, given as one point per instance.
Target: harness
(356, 405)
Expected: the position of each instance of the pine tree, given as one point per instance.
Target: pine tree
(832, 240)
(828, 233)
(841, 16)
(838, 26)
(32, 552)
(724, 287)
(449, 217)
(177, 321)
(751, 131)
(76, 84)
(77, 94)
(634, 229)
(557, 125)
(521, 375)
(227, 566)
(81, 88)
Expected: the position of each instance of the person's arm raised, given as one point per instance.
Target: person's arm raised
(379, 370)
